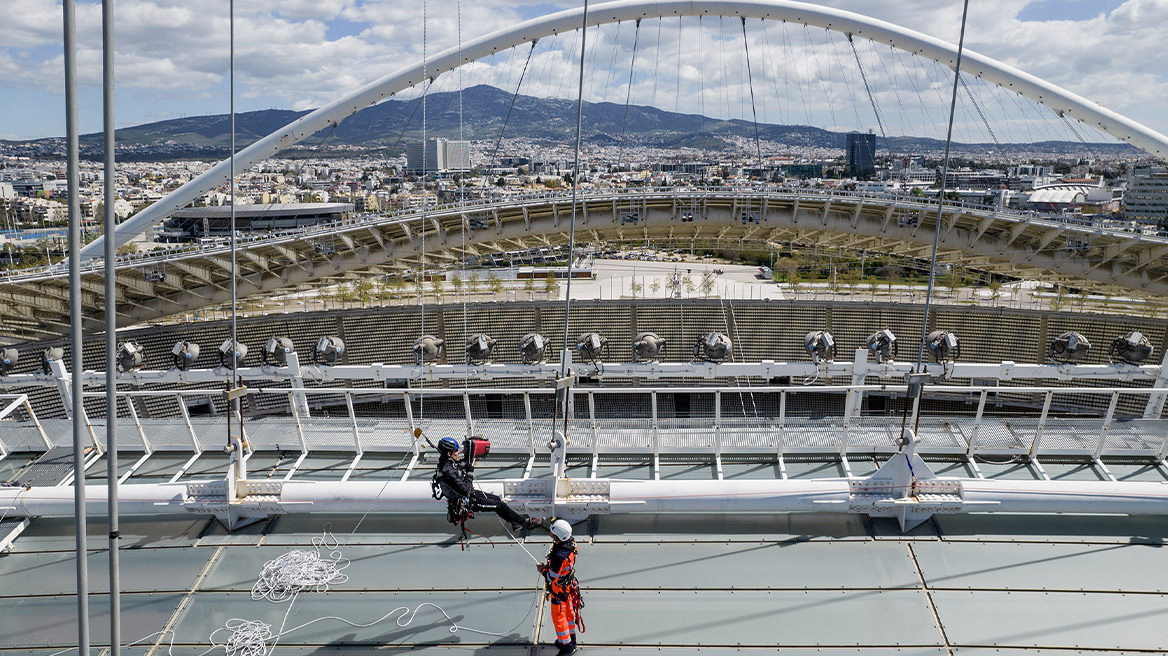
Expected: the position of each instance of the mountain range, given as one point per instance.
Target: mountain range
(486, 113)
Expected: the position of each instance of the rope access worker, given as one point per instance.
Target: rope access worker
(454, 480)
(562, 588)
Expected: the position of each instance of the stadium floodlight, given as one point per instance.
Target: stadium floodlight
(479, 349)
(231, 354)
(276, 351)
(8, 359)
(593, 347)
(328, 350)
(712, 347)
(1133, 348)
(821, 345)
(1068, 347)
(428, 349)
(130, 356)
(184, 354)
(50, 355)
(532, 348)
(883, 346)
(648, 347)
(943, 345)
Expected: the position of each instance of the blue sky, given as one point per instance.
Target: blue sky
(172, 60)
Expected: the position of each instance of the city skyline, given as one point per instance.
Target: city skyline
(298, 55)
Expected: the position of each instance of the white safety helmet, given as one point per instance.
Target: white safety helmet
(561, 530)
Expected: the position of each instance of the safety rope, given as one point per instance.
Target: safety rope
(282, 578)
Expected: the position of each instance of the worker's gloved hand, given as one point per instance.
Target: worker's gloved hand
(541, 568)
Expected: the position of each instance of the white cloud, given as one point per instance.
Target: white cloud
(287, 56)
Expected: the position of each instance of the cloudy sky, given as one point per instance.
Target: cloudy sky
(172, 61)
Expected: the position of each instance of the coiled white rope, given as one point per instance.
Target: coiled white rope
(282, 578)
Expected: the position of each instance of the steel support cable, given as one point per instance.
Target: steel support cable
(515, 95)
(774, 76)
(111, 329)
(234, 403)
(422, 214)
(871, 96)
(1075, 131)
(824, 84)
(980, 113)
(924, 108)
(612, 62)
(798, 77)
(677, 90)
(545, 64)
(941, 196)
(725, 73)
(895, 89)
(656, 63)
(847, 77)
(572, 225)
(1022, 113)
(462, 197)
(701, 76)
(997, 90)
(959, 128)
(628, 95)
(753, 109)
(76, 346)
(571, 48)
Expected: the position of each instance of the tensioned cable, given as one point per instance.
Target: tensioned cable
(234, 403)
(677, 91)
(750, 80)
(701, 75)
(895, 89)
(572, 225)
(628, 95)
(611, 61)
(980, 113)
(725, 72)
(515, 95)
(775, 77)
(871, 96)
(798, 78)
(462, 195)
(925, 113)
(941, 195)
(1075, 131)
(824, 84)
(656, 62)
(422, 220)
(849, 80)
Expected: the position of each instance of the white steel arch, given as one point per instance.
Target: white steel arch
(1058, 99)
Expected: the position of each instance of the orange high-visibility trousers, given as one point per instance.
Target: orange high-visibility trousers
(564, 619)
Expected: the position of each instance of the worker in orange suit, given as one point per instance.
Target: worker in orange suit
(560, 574)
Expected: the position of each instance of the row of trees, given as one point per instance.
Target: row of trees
(390, 287)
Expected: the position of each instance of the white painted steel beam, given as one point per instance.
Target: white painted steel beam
(845, 371)
(623, 496)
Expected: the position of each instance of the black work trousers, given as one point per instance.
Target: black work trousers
(480, 500)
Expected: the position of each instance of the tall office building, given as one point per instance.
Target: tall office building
(441, 155)
(861, 149)
(1146, 198)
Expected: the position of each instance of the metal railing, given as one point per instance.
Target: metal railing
(776, 421)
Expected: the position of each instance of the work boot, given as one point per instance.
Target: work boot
(530, 523)
(572, 643)
(565, 648)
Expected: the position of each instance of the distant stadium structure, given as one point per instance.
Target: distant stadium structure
(199, 222)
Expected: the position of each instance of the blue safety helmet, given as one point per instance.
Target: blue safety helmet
(448, 445)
